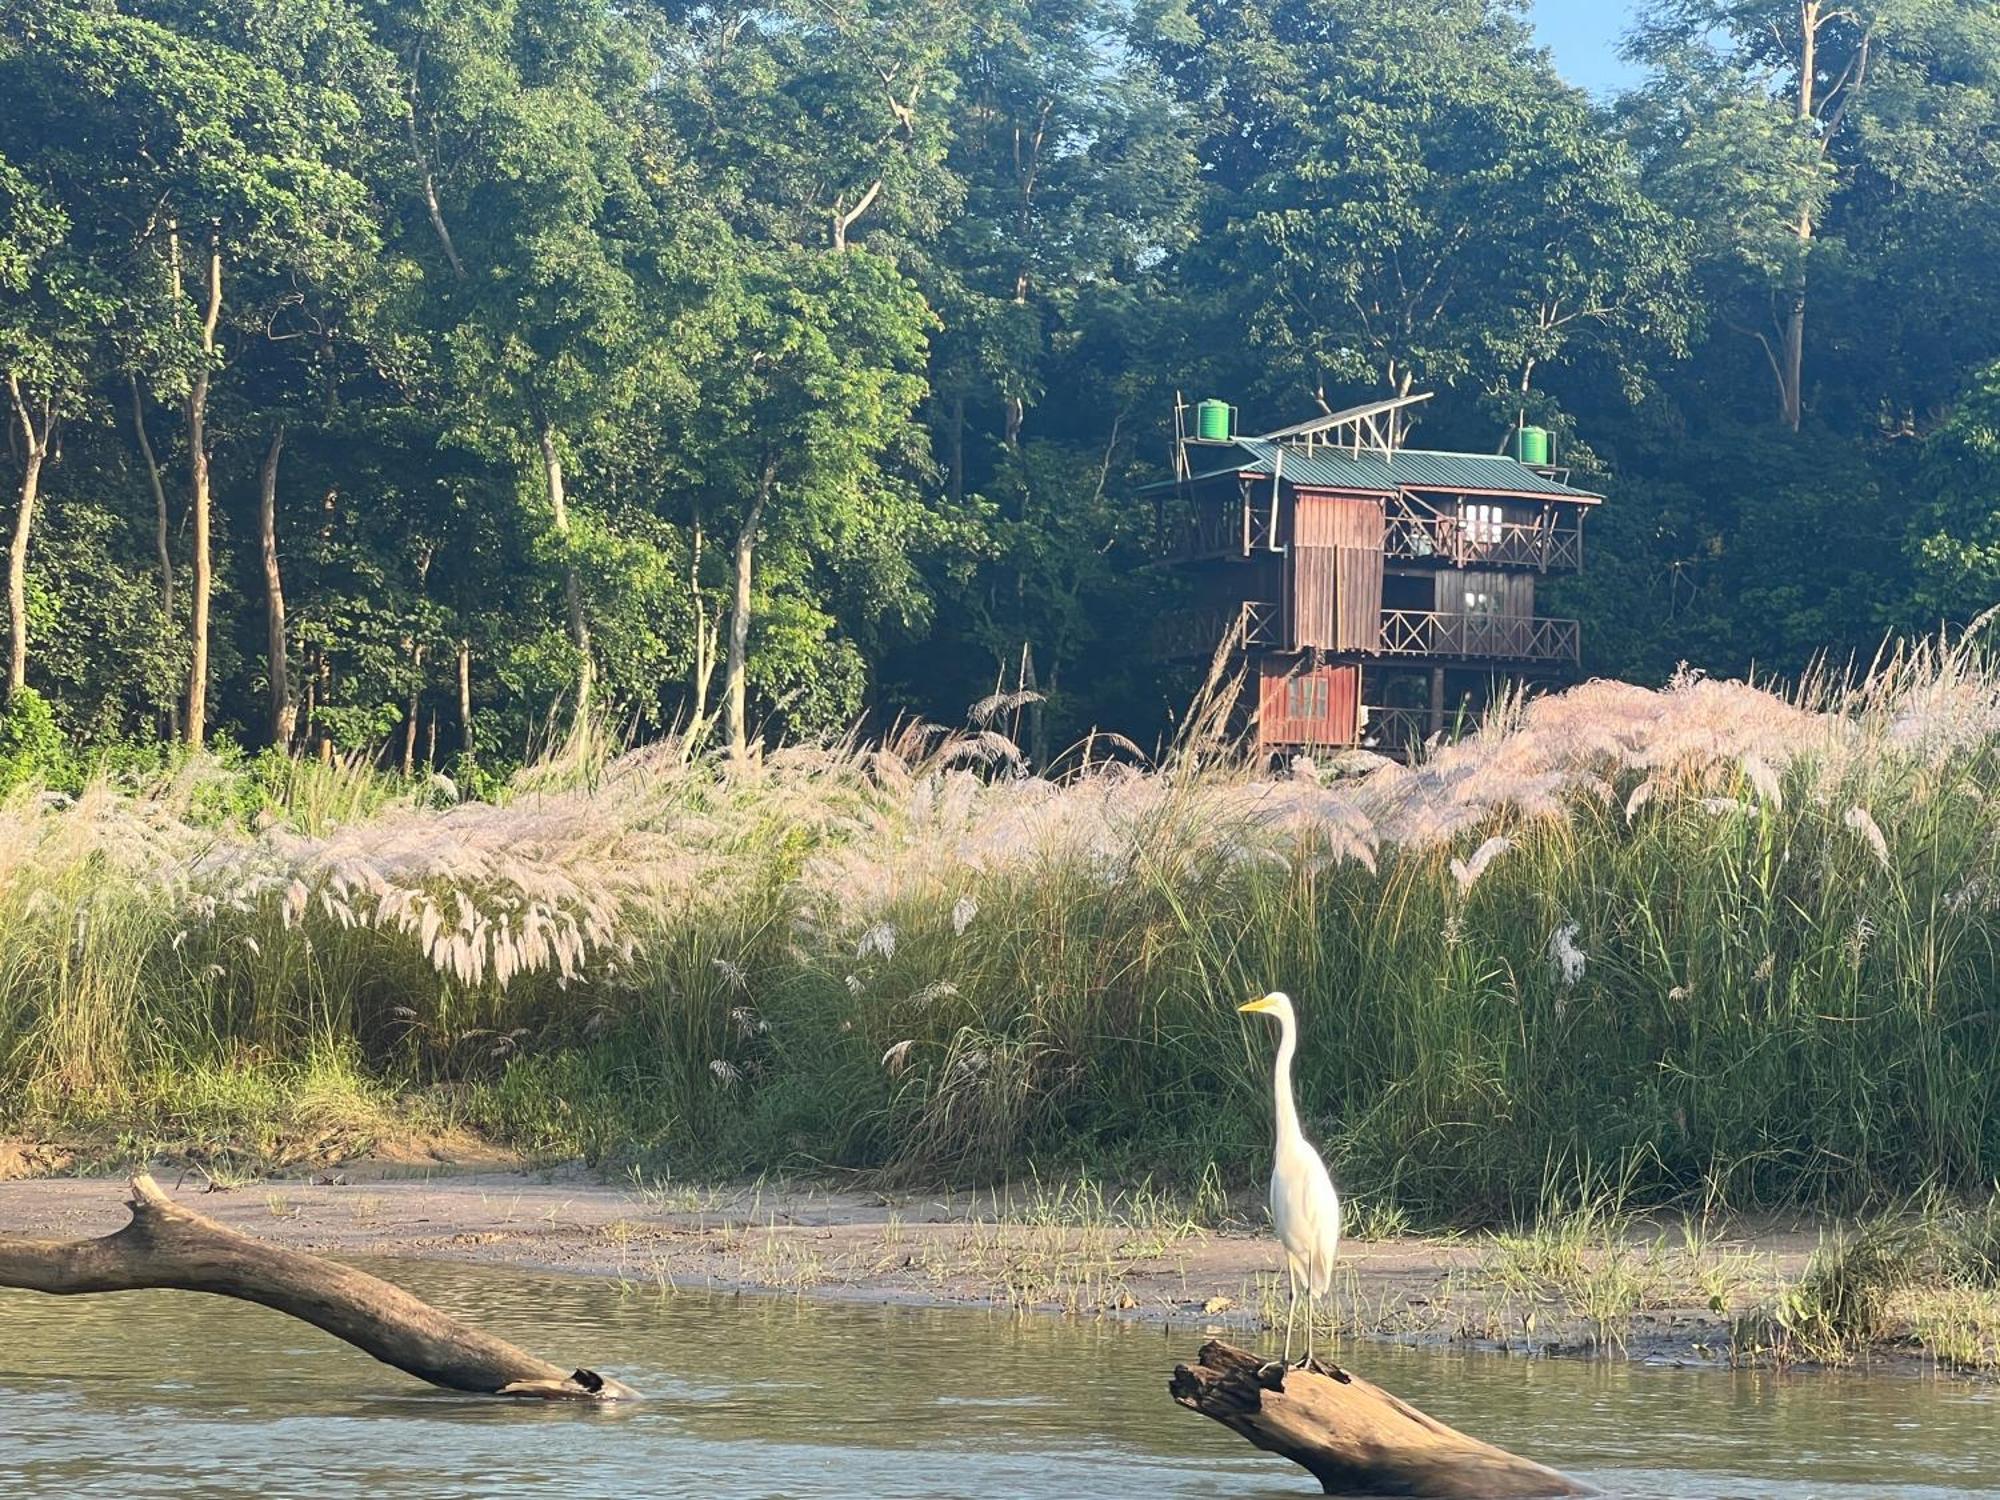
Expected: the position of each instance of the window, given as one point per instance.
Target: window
(1482, 524)
(1306, 697)
(1479, 602)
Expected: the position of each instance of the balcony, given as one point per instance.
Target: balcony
(1504, 544)
(1394, 731)
(1236, 530)
(1253, 625)
(1478, 637)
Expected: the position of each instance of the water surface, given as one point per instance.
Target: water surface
(173, 1394)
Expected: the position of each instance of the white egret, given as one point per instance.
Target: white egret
(1305, 1209)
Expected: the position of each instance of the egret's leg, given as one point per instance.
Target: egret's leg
(1310, 1305)
(1291, 1304)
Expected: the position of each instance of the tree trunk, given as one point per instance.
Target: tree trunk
(195, 722)
(283, 712)
(170, 1247)
(958, 449)
(735, 677)
(465, 699)
(36, 452)
(162, 530)
(1036, 739)
(579, 627)
(1792, 359)
(704, 633)
(413, 711)
(316, 732)
(1791, 401)
(431, 204)
(1353, 1437)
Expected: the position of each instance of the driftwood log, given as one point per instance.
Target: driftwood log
(168, 1246)
(1355, 1438)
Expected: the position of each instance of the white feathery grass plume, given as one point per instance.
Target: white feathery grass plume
(880, 939)
(898, 1056)
(963, 910)
(1765, 781)
(1641, 795)
(726, 1072)
(1568, 959)
(989, 708)
(1467, 871)
(937, 989)
(1862, 822)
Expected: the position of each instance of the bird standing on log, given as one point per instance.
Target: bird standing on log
(1305, 1210)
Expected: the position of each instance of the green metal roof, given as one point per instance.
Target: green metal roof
(1409, 469)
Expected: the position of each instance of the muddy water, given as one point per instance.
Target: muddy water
(163, 1394)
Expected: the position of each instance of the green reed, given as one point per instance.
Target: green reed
(1736, 949)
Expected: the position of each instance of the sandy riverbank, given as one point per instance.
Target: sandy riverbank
(1655, 1292)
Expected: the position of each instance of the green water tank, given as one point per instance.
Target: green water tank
(1214, 421)
(1530, 445)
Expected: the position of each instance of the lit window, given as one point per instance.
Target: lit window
(1478, 602)
(1482, 523)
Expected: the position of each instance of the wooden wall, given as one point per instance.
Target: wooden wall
(1338, 688)
(1336, 574)
(1513, 593)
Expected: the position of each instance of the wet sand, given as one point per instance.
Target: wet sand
(1042, 1252)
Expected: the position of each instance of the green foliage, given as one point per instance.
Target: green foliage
(900, 295)
(1398, 198)
(1955, 535)
(33, 747)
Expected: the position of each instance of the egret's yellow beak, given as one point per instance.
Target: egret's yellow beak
(1256, 1007)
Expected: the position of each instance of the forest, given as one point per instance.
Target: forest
(410, 379)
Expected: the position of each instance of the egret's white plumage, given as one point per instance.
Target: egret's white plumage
(1305, 1209)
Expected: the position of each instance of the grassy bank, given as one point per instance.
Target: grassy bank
(1703, 944)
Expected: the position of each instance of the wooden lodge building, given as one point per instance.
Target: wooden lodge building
(1374, 591)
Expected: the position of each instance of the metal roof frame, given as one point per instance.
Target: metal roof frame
(1365, 428)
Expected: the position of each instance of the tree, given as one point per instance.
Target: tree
(45, 343)
(548, 212)
(1751, 101)
(197, 164)
(806, 435)
(1405, 195)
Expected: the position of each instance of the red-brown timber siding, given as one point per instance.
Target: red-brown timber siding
(1338, 726)
(1336, 592)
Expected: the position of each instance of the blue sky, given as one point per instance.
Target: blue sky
(1584, 36)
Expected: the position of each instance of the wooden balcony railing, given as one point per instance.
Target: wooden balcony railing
(1253, 624)
(1508, 544)
(1394, 731)
(1414, 632)
(1236, 530)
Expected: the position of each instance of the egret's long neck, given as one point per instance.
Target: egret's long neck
(1288, 1110)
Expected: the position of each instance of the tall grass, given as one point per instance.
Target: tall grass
(1713, 943)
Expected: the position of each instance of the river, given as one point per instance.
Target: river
(184, 1396)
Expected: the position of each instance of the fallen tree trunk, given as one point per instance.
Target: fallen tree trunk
(1355, 1438)
(170, 1247)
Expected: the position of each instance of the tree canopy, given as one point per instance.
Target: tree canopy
(415, 378)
